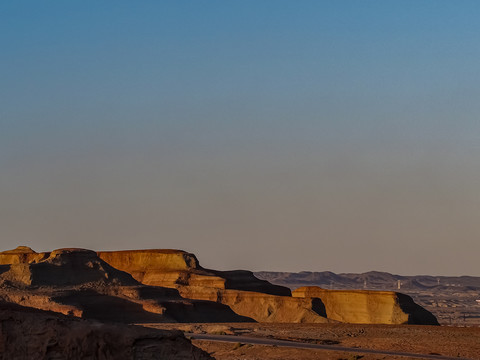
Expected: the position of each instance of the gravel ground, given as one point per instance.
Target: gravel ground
(463, 342)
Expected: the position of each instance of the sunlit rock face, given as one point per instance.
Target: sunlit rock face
(259, 306)
(77, 282)
(172, 268)
(20, 255)
(62, 267)
(162, 267)
(368, 307)
(171, 286)
(245, 294)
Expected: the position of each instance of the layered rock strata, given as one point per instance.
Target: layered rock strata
(62, 267)
(143, 286)
(240, 290)
(172, 268)
(367, 306)
(77, 282)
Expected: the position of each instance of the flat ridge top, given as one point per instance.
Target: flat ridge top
(20, 250)
(158, 251)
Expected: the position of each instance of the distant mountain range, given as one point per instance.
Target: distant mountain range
(373, 280)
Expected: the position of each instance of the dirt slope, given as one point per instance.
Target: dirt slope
(30, 334)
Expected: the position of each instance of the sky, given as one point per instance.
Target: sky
(264, 135)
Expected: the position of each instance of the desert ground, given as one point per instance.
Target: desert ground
(443, 341)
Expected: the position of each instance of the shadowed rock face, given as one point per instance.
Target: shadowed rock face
(261, 307)
(171, 286)
(368, 307)
(30, 334)
(240, 290)
(65, 267)
(77, 282)
(172, 268)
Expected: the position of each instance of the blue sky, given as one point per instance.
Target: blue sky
(272, 135)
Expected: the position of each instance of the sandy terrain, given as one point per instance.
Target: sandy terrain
(447, 341)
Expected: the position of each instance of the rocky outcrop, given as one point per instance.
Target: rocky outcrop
(240, 290)
(20, 255)
(172, 268)
(29, 334)
(143, 286)
(77, 282)
(62, 267)
(261, 307)
(368, 307)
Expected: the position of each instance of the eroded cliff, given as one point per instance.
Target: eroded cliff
(171, 286)
(367, 306)
(240, 290)
(77, 282)
(172, 268)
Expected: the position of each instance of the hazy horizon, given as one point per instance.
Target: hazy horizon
(269, 136)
